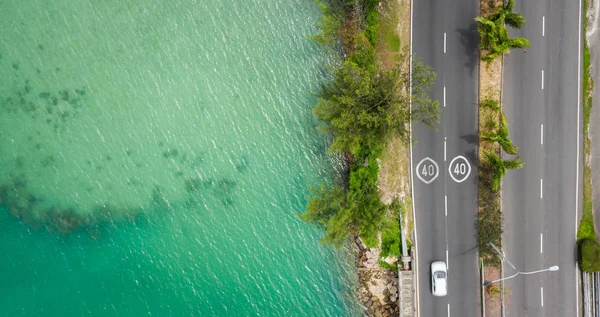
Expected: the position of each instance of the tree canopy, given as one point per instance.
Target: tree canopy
(362, 107)
(499, 167)
(501, 136)
(494, 35)
(344, 213)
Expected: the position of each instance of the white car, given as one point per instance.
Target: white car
(439, 278)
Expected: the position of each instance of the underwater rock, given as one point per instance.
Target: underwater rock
(242, 165)
(170, 153)
(193, 185)
(226, 185)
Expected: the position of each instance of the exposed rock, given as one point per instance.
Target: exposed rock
(375, 283)
(391, 260)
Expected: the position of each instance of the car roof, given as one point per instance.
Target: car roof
(441, 288)
(438, 266)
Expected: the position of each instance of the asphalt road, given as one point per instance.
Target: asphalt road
(541, 201)
(445, 38)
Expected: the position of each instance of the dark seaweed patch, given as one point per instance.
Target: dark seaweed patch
(193, 185)
(48, 160)
(242, 164)
(64, 95)
(170, 153)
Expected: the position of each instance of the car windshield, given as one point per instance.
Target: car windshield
(440, 274)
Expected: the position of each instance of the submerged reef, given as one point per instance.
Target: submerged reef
(36, 213)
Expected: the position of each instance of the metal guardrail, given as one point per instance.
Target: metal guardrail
(482, 268)
(591, 294)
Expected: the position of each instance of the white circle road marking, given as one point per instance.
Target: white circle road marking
(429, 172)
(460, 168)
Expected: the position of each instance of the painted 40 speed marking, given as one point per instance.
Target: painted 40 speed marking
(459, 169)
(427, 170)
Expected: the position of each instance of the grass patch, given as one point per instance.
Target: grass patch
(586, 225)
(389, 44)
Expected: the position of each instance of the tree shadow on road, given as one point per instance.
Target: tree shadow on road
(469, 38)
(471, 138)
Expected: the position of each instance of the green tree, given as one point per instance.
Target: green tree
(501, 137)
(329, 26)
(498, 167)
(347, 213)
(362, 106)
(494, 35)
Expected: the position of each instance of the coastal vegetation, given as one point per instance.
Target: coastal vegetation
(494, 35)
(362, 107)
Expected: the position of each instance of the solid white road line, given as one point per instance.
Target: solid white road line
(542, 80)
(542, 134)
(446, 205)
(543, 26)
(577, 169)
(444, 42)
(542, 297)
(412, 184)
(541, 188)
(541, 243)
(444, 96)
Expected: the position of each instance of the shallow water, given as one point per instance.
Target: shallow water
(155, 156)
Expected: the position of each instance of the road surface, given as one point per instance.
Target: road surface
(541, 201)
(444, 36)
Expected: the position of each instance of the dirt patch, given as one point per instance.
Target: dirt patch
(394, 181)
(493, 300)
(394, 172)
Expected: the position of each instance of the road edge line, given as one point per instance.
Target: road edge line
(412, 178)
(579, 66)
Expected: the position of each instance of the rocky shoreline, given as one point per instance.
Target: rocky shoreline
(377, 287)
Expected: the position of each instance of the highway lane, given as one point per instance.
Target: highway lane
(445, 37)
(540, 202)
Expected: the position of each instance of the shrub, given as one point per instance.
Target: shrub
(491, 104)
(493, 290)
(371, 31)
(590, 255)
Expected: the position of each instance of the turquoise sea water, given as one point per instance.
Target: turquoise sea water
(154, 156)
